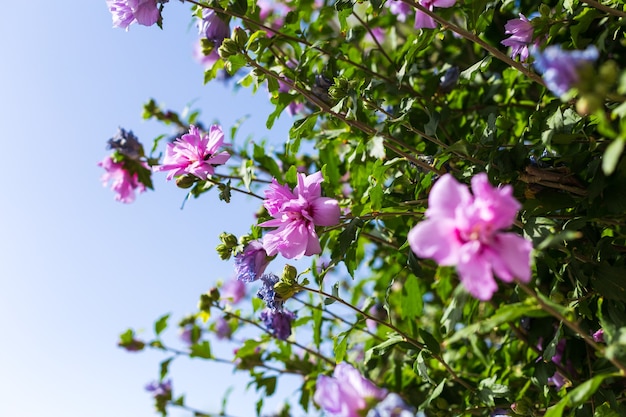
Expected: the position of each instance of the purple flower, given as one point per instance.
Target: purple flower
(296, 214)
(424, 21)
(392, 406)
(465, 230)
(222, 328)
(521, 31)
(561, 69)
(346, 393)
(213, 27)
(162, 390)
(194, 153)
(277, 12)
(233, 290)
(399, 8)
(278, 322)
(598, 336)
(127, 12)
(122, 182)
(251, 263)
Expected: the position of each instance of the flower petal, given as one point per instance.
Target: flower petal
(436, 239)
(325, 211)
(475, 271)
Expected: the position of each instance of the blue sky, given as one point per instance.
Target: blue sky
(76, 267)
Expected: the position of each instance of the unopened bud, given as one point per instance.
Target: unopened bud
(289, 274)
(229, 239)
(224, 251)
(185, 181)
(228, 48)
(240, 36)
(588, 104)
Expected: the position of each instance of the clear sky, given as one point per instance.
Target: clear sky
(76, 267)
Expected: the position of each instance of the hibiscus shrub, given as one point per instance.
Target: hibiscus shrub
(452, 190)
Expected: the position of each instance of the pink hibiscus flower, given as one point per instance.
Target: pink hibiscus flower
(465, 230)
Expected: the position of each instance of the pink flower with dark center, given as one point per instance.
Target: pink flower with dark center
(347, 393)
(424, 21)
(194, 153)
(296, 213)
(127, 12)
(466, 230)
(521, 31)
(122, 182)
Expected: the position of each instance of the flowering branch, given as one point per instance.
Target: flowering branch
(405, 337)
(471, 37)
(291, 342)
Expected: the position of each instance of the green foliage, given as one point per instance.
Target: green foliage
(382, 118)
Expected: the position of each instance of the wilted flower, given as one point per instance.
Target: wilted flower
(194, 153)
(424, 21)
(122, 181)
(521, 31)
(347, 393)
(233, 290)
(160, 390)
(392, 406)
(267, 293)
(561, 69)
(296, 214)
(465, 230)
(278, 322)
(127, 12)
(126, 143)
(251, 263)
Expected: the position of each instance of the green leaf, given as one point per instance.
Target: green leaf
(504, 314)
(609, 281)
(578, 395)
(612, 155)
(341, 344)
(411, 303)
(161, 324)
(431, 343)
(164, 368)
(201, 350)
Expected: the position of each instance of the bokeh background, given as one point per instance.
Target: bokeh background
(76, 267)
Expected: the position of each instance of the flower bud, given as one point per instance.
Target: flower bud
(228, 48)
(229, 240)
(186, 181)
(588, 104)
(224, 251)
(289, 274)
(240, 36)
